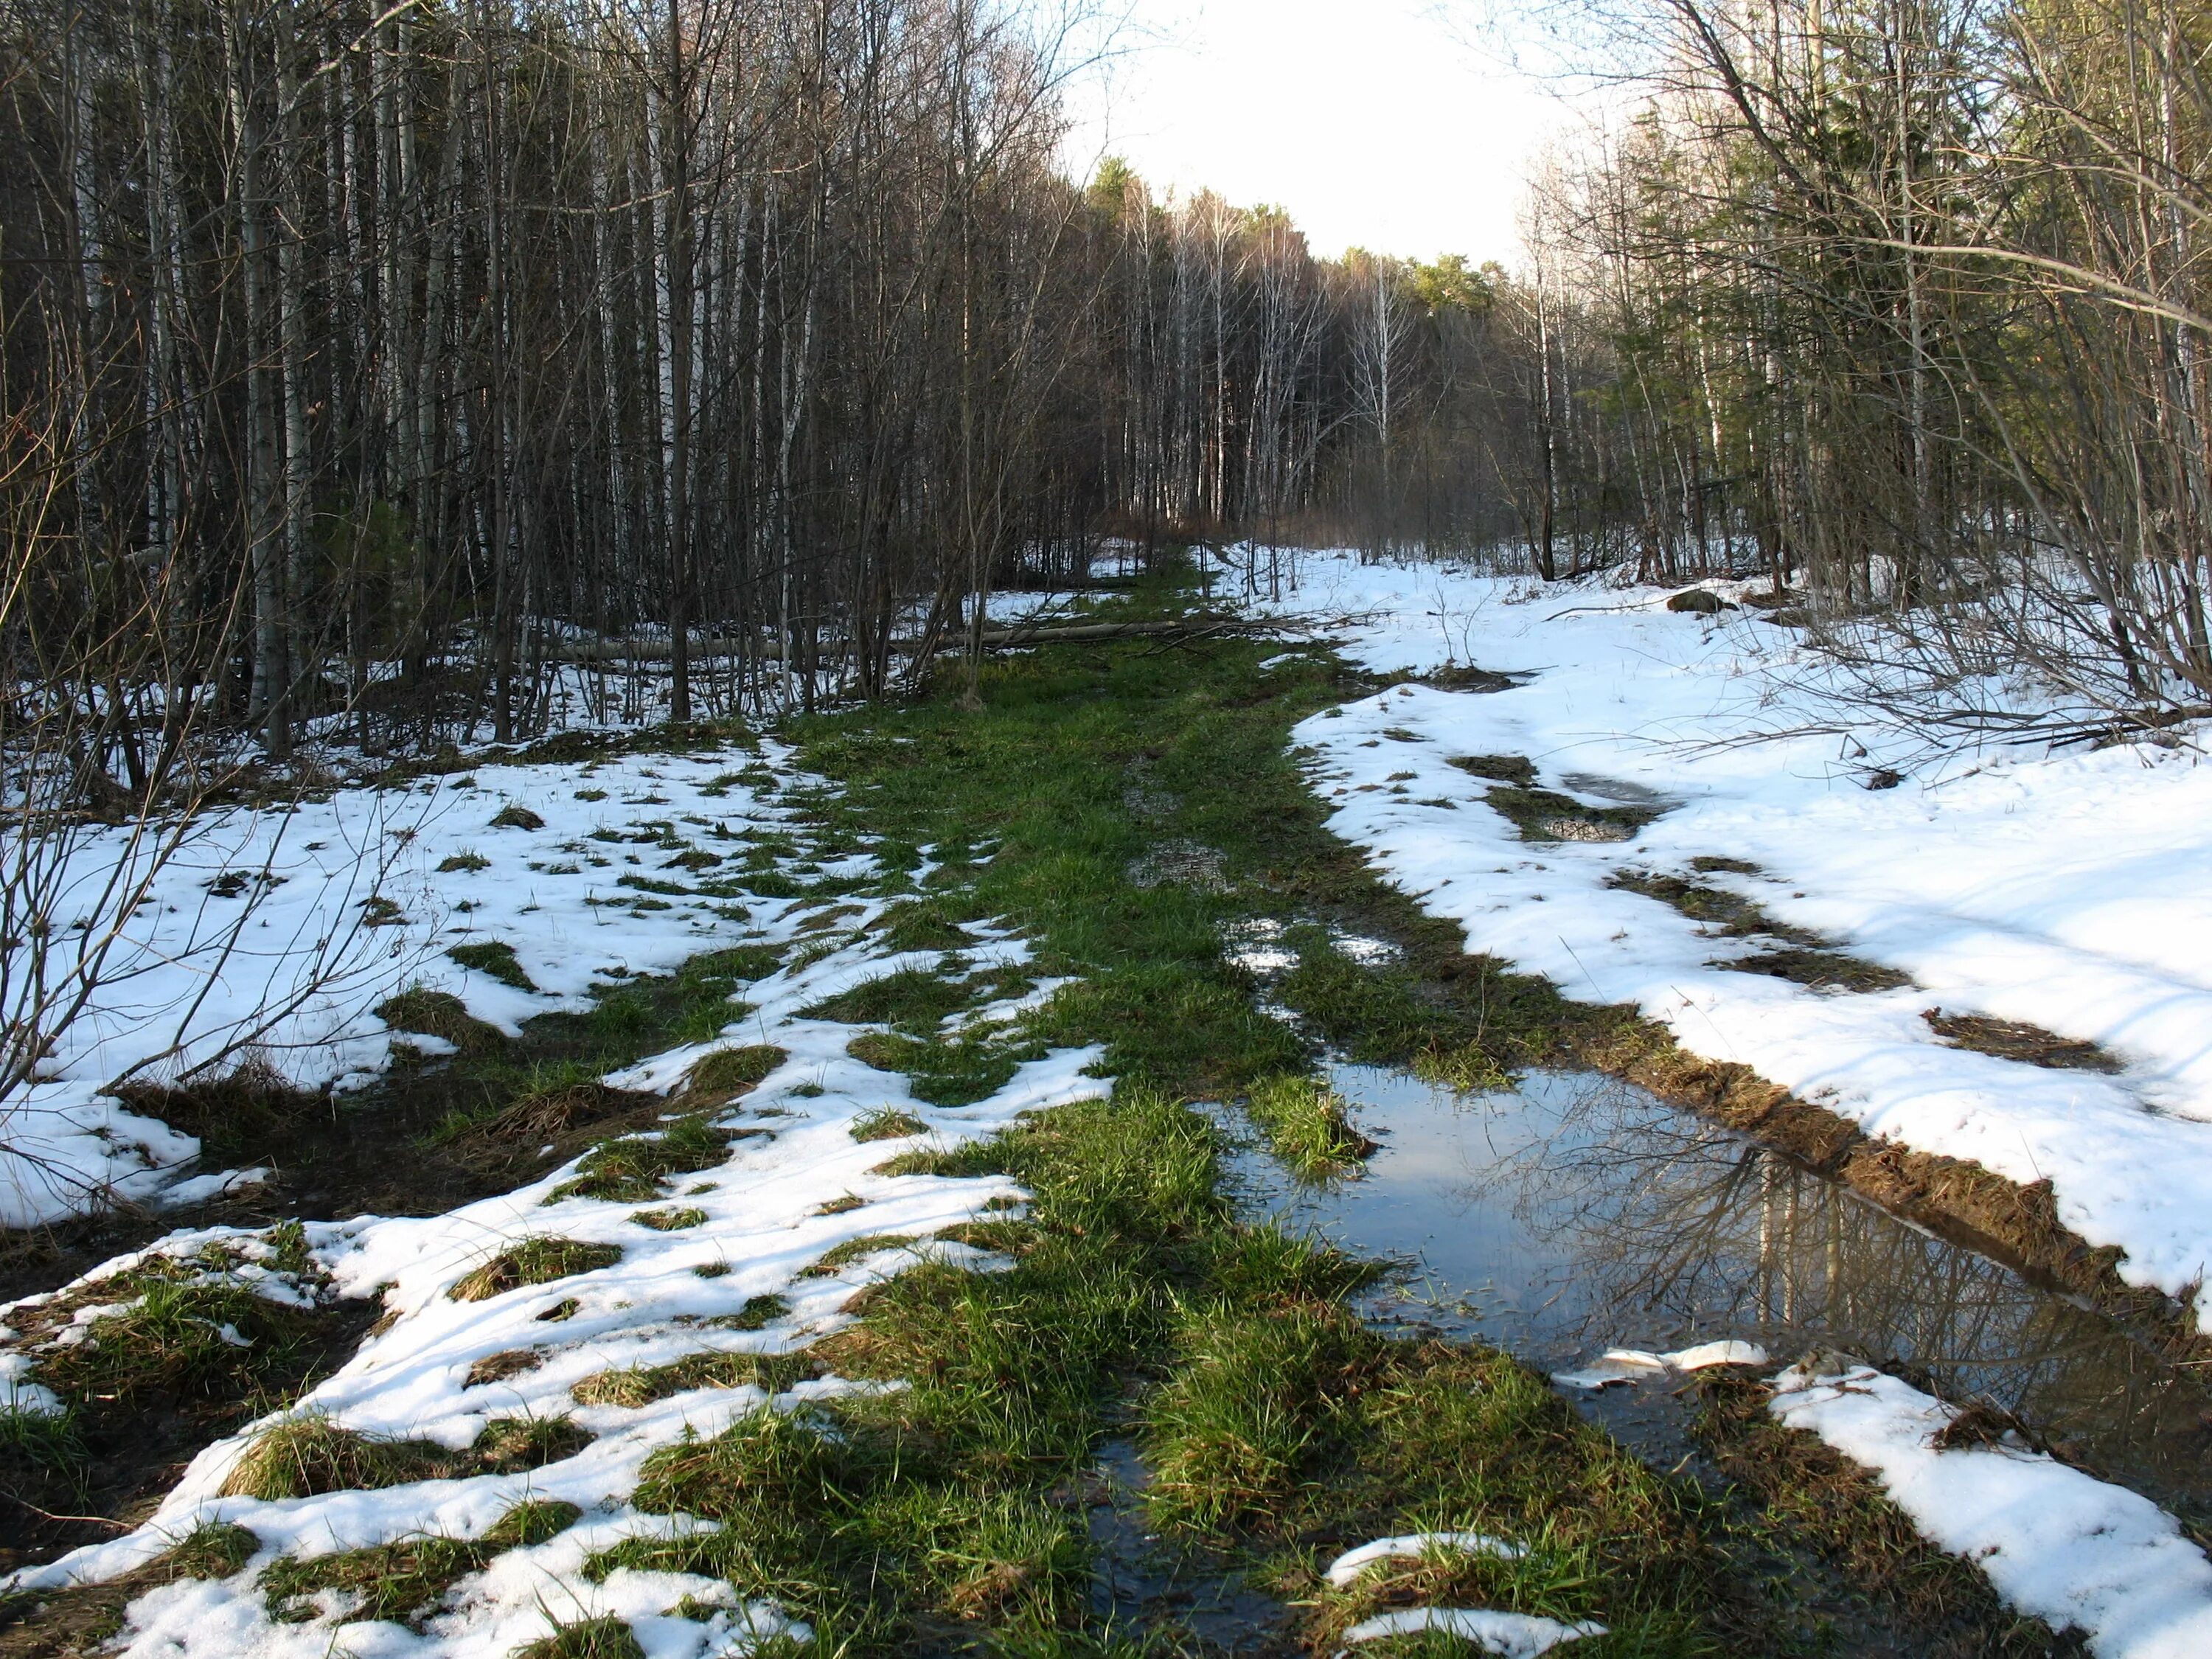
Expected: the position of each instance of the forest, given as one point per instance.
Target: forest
(781, 874)
(375, 361)
(366, 367)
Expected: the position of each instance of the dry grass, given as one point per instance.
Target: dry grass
(2013, 1039)
(307, 1456)
(533, 1261)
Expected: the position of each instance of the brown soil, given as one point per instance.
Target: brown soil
(136, 1451)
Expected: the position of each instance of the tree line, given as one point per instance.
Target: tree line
(385, 371)
(1904, 301)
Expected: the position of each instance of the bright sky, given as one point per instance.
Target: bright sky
(1371, 120)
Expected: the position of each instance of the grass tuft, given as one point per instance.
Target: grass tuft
(1466, 1068)
(214, 1549)
(630, 1169)
(838, 1256)
(592, 1639)
(633, 1386)
(306, 1456)
(440, 1014)
(509, 1446)
(670, 1221)
(887, 1123)
(533, 1521)
(495, 959)
(1308, 1125)
(732, 1071)
(533, 1261)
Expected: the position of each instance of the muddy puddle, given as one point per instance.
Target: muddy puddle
(1578, 1214)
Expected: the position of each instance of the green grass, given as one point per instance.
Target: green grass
(591, 1638)
(214, 1549)
(634, 1386)
(915, 1002)
(1279, 1426)
(533, 1261)
(174, 1338)
(629, 1169)
(495, 959)
(1307, 1124)
(440, 1014)
(935, 1508)
(854, 1250)
(670, 1221)
(727, 1071)
(309, 1455)
(406, 1580)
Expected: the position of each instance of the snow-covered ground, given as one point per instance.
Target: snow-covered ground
(2069, 891)
(738, 1268)
(2075, 1551)
(281, 930)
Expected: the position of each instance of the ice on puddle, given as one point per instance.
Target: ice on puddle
(1707, 1354)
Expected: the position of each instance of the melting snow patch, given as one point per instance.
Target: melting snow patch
(1635, 1365)
(1413, 1546)
(1510, 1635)
(2071, 892)
(2069, 1549)
(585, 1297)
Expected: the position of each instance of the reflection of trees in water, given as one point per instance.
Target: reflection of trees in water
(1676, 1225)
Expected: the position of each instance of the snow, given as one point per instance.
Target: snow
(551, 895)
(1510, 1635)
(341, 903)
(2074, 1551)
(2070, 891)
(19, 1395)
(1347, 1567)
(763, 1233)
(1635, 1365)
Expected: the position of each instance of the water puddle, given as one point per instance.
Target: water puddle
(1143, 1585)
(1578, 1214)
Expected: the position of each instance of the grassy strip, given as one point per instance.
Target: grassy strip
(1277, 1425)
(934, 1513)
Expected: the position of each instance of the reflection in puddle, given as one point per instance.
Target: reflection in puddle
(1578, 1214)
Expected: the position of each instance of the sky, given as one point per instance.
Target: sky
(1378, 124)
